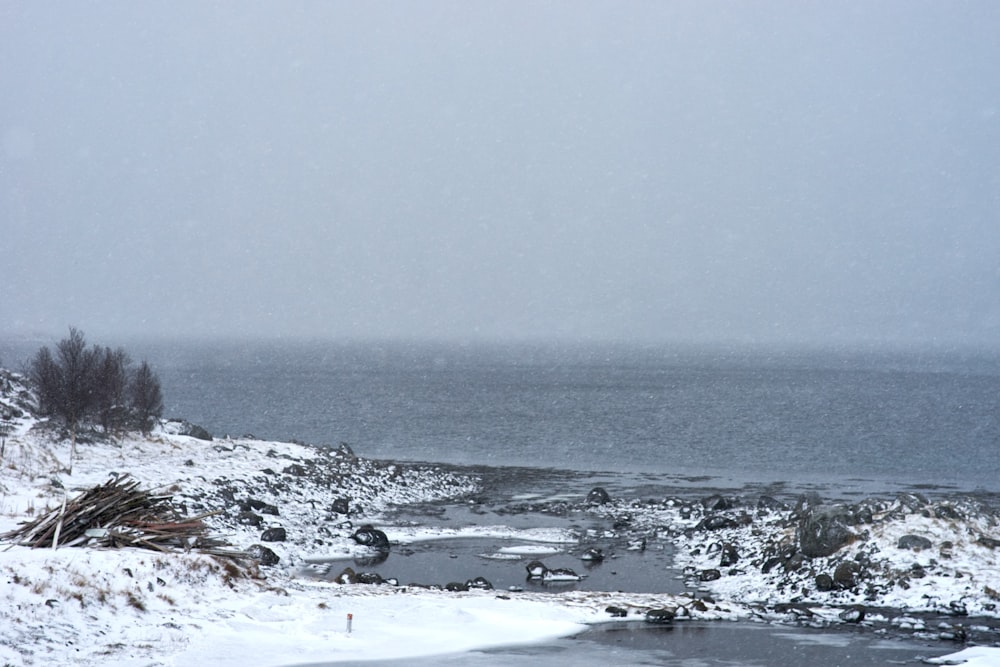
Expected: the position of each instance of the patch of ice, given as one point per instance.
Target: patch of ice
(530, 550)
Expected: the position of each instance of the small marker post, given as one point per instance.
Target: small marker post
(350, 617)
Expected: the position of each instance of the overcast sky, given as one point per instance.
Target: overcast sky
(823, 172)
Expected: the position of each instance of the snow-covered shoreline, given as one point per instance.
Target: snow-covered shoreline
(86, 605)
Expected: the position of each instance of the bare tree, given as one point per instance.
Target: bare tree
(146, 398)
(110, 384)
(95, 384)
(78, 365)
(46, 375)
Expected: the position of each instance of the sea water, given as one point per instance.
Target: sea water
(746, 415)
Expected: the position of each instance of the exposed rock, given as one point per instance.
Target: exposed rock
(709, 575)
(536, 569)
(989, 542)
(456, 587)
(274, 534)
(730, 556)
(251, 504)
(295, 469)
(661, 616)
(853, 614)
(263, 555)
(341, 506)
(824, 582)
(369, 578)
(348, 576)
(194, 431)
(795, 563)
(479, 583)
(845, 575)
(915, 542)
(717, 522)
(370, 536)
(717, 503)
(593, 554)
(249, 519)
(823, 530)
(598, 496)
(616, 612)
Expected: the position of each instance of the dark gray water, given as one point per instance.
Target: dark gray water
(746, 415)
(754, 416)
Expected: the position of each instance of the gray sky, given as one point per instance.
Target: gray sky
(709, 171)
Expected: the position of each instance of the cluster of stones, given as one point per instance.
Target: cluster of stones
(281, 500)
(807, 550)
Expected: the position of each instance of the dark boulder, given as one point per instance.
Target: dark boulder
(598, 496)
(709, 575)
(194, 431)
(794, 563)
(663, 616)
(616, 612)
(822, 531)
(536, 569)
(988, 542)
(456, 587)
(770, 563)
(824, 582)
(370, 578)
(347, 576)
(593, 555)
(295, 469)
(254, 504)
(263, 555)
(717, 522)
(370, 536)
(730, 556)
(274, 534)
(249, 519)
(845, 575)
(341, 506)
(479, 583)
(946, 511)
(915, 542)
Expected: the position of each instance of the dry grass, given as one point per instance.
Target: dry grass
(134, 601)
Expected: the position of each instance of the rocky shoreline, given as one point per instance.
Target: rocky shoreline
(903, 566)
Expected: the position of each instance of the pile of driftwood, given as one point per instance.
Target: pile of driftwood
(118, 514)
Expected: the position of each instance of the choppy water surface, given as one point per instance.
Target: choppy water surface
(747, 417)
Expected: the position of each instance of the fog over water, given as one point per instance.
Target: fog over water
(764, 172)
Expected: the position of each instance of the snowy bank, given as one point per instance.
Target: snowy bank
(90, 605)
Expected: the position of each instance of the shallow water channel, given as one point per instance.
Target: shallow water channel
(531, 499)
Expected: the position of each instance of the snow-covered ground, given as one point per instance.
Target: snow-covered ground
(88, 605)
